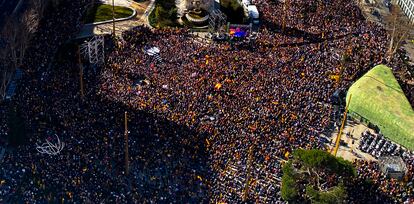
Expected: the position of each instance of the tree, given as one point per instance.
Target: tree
(289, 189)
(306, 172)
(398, 27)
(15, 35)
(335, 195)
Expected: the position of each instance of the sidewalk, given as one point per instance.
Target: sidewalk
(143, 9)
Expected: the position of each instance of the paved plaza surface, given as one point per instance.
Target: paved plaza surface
(349, 144)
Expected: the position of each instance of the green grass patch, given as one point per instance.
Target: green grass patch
(103, 12)
(378, 98)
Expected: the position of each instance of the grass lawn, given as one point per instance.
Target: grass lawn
(103, 12)
(378, 97)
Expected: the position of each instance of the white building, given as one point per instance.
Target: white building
(408, 7)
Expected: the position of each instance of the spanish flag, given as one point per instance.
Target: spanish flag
(287, 155)
(218, 86)
(334, 77)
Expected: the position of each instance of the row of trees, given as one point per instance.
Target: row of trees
(15, 36)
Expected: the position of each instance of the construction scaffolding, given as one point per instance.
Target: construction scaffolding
(217, 22)
(94, 50)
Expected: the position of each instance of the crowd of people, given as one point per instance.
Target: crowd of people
(209, 122)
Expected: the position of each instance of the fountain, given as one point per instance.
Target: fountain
(195, 11)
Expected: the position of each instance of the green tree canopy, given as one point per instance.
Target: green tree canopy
(307, 170)
(319, 159)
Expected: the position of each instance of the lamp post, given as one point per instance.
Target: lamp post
(80, 72)
(113, 17)
(126, 145)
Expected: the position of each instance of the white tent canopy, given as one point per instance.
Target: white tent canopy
(152, 51)
(253, 12)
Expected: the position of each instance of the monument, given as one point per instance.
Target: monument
(195, 11)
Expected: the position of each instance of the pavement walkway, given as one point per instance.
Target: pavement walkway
(143, 9)
(350, 150)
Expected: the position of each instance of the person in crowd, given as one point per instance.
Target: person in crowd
(208, 122)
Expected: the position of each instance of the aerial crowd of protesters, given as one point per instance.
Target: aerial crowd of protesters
(205, 118)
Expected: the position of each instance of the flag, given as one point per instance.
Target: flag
(218, 86)
(287, 155)
(334, 77)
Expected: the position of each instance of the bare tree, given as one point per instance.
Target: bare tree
(10, 37)
(398, 28)
(39, 6)
(15, 35)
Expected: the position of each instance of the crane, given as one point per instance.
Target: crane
(338, 137)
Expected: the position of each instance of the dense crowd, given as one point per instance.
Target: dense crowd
(208, 122)
(374, 187)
